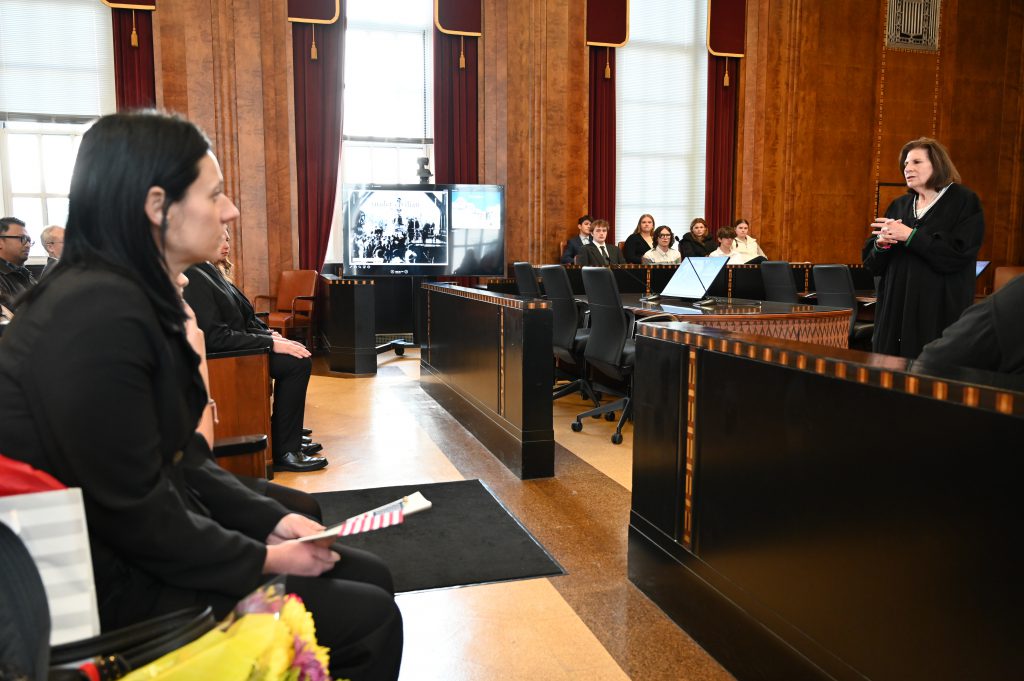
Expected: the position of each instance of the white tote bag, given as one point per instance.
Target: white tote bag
(52, 527)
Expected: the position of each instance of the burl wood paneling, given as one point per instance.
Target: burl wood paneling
(227, 67)
(826, 107)
(533, 120)
(806, 127)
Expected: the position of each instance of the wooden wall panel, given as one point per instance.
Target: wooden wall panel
(227, 67)
(825, 109)
(533, 122)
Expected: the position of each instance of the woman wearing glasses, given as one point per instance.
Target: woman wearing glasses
(662, 253)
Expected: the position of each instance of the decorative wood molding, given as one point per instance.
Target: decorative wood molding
(144, 6)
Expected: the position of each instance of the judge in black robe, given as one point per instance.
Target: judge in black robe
(926, 263)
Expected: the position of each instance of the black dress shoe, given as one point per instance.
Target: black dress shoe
(307, 431)
(306, 439)
(311, 448)
(299, 462)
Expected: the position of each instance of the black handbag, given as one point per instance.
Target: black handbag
(114, 654)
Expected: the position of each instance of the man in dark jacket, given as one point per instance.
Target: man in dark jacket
(15, 244)
(230, 323)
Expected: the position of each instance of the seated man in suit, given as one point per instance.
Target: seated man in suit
(230, 323)
(577, 243)
(598, 253)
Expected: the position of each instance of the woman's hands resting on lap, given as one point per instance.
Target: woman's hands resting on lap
(305, 559)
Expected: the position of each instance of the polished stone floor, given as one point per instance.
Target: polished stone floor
(590, 623)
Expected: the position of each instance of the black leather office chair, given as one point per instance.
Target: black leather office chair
(778, 281)
(834, 287)
(526, 280)
(610, 349)
(568, 339)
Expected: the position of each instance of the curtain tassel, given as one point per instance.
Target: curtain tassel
(725, 81)
(135, 34)
(462, 52)
(607, 63)
(312, 48)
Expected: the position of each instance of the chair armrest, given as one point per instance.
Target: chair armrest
(238, 446)
(257, 299)
(300, 298)
(652, 318)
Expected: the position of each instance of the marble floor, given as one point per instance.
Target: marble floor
(590, 623)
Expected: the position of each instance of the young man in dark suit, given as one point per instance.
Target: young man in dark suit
(600, 253)
(577, 243)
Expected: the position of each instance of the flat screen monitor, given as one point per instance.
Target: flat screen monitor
(979, 267)
(396, 230)
(423, 230)
(477, 230)
(694, 277)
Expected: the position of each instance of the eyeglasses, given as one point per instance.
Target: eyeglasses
(665, 235)
(25, 239)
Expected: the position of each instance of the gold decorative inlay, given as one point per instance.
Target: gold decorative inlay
(513, 302)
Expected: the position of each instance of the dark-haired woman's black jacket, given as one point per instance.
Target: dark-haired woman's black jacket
(690, 247)
(97, 392)
(635, 248)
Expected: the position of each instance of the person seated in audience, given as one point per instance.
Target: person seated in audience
(746, 244)
(53, 241)
(640, 241)
(989, 335)
(663, 253)
(576, 244)
(599, 253)
(230, 323)
(726, 248)
(104, 385)
(698, 242)
(15, 244)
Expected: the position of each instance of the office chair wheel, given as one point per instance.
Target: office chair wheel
(617, 439)
(609, 416)
(399, 350)
(576, 426)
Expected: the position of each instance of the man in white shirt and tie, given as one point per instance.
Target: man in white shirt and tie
(598, 253)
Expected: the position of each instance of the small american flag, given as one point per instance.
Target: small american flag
(372, 521)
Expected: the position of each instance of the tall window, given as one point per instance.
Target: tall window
(56, 76)
(388, 98)
(661, 115)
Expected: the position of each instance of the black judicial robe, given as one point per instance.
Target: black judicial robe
(925, 286)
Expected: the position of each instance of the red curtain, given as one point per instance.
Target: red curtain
(721, 141)
(602, 136)
(318, 111)
(134, 73)
(456, 142)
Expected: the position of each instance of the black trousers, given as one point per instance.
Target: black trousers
(295, 500)
(291, 377)
(356, 616)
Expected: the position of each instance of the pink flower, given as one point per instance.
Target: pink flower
(307, 664)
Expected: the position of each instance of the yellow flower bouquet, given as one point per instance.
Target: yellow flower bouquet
(270, 636)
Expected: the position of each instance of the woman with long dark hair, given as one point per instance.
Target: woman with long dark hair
(103, 385)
